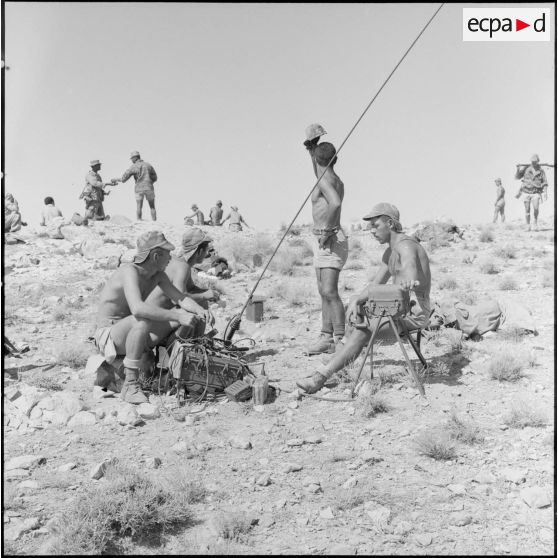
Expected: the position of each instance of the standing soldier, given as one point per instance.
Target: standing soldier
(533, 186)
(94, 192)
(216, 214)
(500, 204)
(144, 175)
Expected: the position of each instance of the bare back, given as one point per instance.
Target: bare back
(320, 206)
(112, 301)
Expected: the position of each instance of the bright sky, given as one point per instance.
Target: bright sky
(217, 97)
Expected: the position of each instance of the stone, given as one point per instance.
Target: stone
(66, 405)
(46, 404)
(460, 519)
(30, 484)
(380, 515)
(66, 467)
(24, 462)
(128, 415)
(35, 414)
(266, 520)
(293, 405)
(312, 440)
(423, 539)
(180, 447)
(16, 474)
(291, 467)
(295, 442)
(457, 489)
(26, 402)
(403, 528)
(484, 477)
(100, 414)
(154, 462)
(370, 456)
(535, 497)
(83, 418)
(12, 393)
(327, 513)
(351, 482)
(514, 475)
(148, 411)
(18, 527)
(99, 470)
(240, 442)
(264, 480)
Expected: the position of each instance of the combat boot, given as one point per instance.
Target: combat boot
(324, 344)
(313, 384)
(131, 392)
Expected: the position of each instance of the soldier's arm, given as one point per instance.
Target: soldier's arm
(408, 276)
(152, 174)
(128, 174)
(227, 217)
(520, 171)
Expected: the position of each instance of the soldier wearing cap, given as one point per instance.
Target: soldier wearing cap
(533, 186)
(128, 324)
(216, 214)
(407, 262)
(195, 247)
(144, 175)
(198, 214)
(94, 192)
(500, 204)
(236, 220)
(330, 244)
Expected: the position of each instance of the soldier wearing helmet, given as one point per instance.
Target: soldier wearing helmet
(330, 242)
(533, 186)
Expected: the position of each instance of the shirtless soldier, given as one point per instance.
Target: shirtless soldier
(195, 245)
(407, 262)
(129, 325)
(330, 242)
(500, 204)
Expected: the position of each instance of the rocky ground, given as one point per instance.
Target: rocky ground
(312, 477)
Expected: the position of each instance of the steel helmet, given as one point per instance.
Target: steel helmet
(314, 131)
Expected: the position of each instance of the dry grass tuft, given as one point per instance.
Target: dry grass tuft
(73, 356)
(489, 268)
(44, 382)
(486, 235)
(515, 335)
(285, 260)
(436, 444)
(448, 283)
(508, 283)
(232, 525)
(506, 366)
(348, 499)
(372, 405)
(296, 293)
(507, 252)
(523, 414)
(463, 430)
(129, 505)
(453, 338)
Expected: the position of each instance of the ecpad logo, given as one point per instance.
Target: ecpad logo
(506, 24)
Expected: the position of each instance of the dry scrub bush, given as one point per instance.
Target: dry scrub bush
(468, 259)
(285, 260)
(435, 444)
(372, 405)
(506, 366)
(44, 382)
(347, 500)
(355, 246)
(73, 356)
(453, 338)
(296, 293)
(523, 414)
(486, 235)
(508, 283)
(506, 252)
(515, 335)
(59, 315)
(240, 250)
(232, 525)
(464, 430)
(468, 297)
(128, 505)
(448, 283)
(489, 268)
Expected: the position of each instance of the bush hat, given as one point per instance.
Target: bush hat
(191, 241)
(149, 241)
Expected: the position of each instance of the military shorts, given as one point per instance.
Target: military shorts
(149, 196)
(335, 252)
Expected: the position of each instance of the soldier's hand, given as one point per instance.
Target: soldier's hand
(192, 306)
(211, 295)
(323, 240)
(352, 311)
(409, 284)
(310, 144)
(187, 318)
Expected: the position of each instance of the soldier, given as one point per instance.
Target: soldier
(198, 214)
(144, 175)
(94, 192)
(236, 220)
(216, 214)
(500, 204)
(533, 186)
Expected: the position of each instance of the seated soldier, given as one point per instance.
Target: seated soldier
(407, 262)
(195, 244)
(12, 216)
(127, 324)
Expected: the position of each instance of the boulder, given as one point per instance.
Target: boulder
(128, 415)
(148, 411)
(18, 527)
(536, 497)
(83, 418)
(99, 470)
(24, 462)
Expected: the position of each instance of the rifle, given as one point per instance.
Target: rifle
(540, 165)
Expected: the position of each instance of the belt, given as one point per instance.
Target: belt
(333, 230)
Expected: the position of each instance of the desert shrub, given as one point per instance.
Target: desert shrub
(73, 356)
(435, 444)
(296, 293)
(47, 478)
(130, 504)
(507, 252)
(489, 268)
(508, 283)
(439, 368)
(348, 499)
(486, 234)
(302, 247)
(467, 296)
(506, 366)
(515, 335)
(448, 283)
(44, 382)
(232, 525)
(469, 259)
(524, 414)
(241, 250)
(372, 405)
(462, 430)
(285, 260)
(209, 283)
(453, 338)
(60, 315)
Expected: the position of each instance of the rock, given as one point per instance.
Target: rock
(291, 467)
(83, 418)
(293, 405)
(302, 521)
(379, 515)
(240, 442)
(100, 414)
(26, 402)
(259, 408)
(94, 362)
(370, 456)
(294, 442)
(46, 404)
(403, 528)
(514, 475)
(154, 462)
(535, 497)
(128, 415)
(66, 405)
(460, 519)
(457, 488)
(484, 478)
(99, 470)
(16, 474)
(66, 467)
(120, 220)
(327, 513)
(12, 393)
(18, 527)
(266, 520)
(423, 539)
(341, 550)
(181, 447)
(149, 411)
(31, 484)
(351, 482)
(36, 413)
(24, 462)
(312, 440)
(264, 480)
